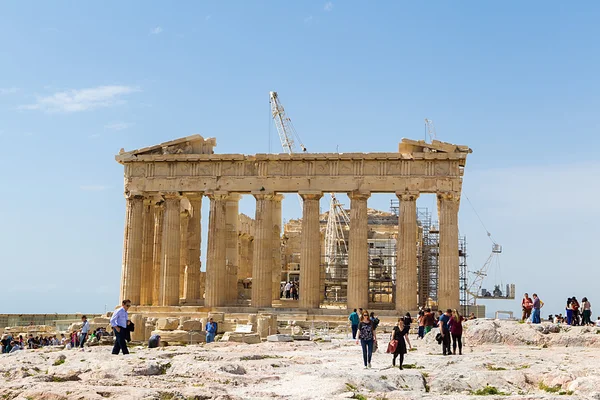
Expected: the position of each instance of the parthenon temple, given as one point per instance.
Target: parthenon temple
(165, 185)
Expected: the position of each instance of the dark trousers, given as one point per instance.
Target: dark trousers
(421, 333)
(120, 343)
(82, 340)
(367, 348)
(354, 330)
(400, 361)
(457, 339)
(586, 317)
(446, 343)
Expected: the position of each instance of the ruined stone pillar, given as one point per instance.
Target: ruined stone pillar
(262, 266)
(159, 209)
(448, 276)
(169, 267)
(276, 274)
(406, 254)
(244, 270)
(183, 249)
(147, 276)
(310, 252)
(231, 251)
(216, 257)
(358, 252)
(132, 249)
(191, 290)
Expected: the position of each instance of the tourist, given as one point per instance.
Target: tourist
(445, 331)
(31, 344)
(154, 341)
(374, 320)
(587, 312)
(63, 339)
(428, 320)
(354, 320)
(598, 323)
(537, 305)
(472, 316)
(118, 321)
(288, 287)
(420, 322)
(366, 335)
(15, 346)
(398, 334)
(211, 330)
(456, 329)
(526, 306)
(575, 306)
(569, 311)
(85, 328)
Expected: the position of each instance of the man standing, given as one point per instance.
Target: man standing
(537, 305)
(119, 324)
(354, 320)
(84, 331)
(445, 331)
(428, 320)
(526, 305)
(211, 331)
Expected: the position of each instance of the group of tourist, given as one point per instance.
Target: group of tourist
(531, 308)
(289, 290)
(575, 313)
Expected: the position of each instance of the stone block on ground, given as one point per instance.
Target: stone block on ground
(217, 316)
(280, 338)
(178, 336)
(138, 335)
(167, 324)
(192, 325)
(239, 337)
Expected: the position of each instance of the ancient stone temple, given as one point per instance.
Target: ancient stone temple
(166, 184)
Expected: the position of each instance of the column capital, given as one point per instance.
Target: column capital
(448, 196)
(171, 195)
(308, 195)
(407, 196)
(263, 195)
(133, 195)
(194, 195)
(358, 195)
(218, 195)
(278, 197)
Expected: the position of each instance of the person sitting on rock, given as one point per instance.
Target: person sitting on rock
(154, 341)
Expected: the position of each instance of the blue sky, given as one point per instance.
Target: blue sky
(517, 82)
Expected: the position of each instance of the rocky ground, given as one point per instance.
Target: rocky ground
(501, 360)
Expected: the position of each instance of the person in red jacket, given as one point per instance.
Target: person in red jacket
(456, 329)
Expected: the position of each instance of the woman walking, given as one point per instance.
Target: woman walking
(456, 329)
(366, 335)
(587, 311)
(398, 334)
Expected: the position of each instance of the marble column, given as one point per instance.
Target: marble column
(170, 261)
(191, 290)
(216, 272)
(406, 254)
(231, 242)
(448, 276)
(183, 249)
(310, 252)
(276, 249)
(132, 249)
(244, 267)
(159, 209)
(147, 277)
(358, 252)
(262, 266)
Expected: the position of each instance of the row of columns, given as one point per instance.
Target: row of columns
(161, 260)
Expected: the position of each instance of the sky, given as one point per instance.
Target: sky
(516, 81)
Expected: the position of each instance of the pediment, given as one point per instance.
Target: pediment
(194, 144)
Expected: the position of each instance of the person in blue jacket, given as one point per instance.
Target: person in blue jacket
(211, 330)
(354, 320)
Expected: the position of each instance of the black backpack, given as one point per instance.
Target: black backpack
(375, 323)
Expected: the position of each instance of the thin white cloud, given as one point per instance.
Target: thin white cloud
(11, 90)
(81, 100)
(308, 20)
(118, 126)
(156, 31)
(328, 6)
(93, 188)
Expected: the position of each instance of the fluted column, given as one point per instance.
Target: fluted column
(169, 268)
(147, 278)
(216, 273)
(244, 269)
(276, 249)
(159, 209)
(262, 266)
(183, 249)
(406, 254)
(191, 291)
(231, 250)
(131, 274)
(358, 252)
(310, 252)
(448, 276)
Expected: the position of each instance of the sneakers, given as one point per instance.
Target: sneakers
(369, 365)
(366, 367)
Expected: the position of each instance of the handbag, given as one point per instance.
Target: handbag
(375, 347)
(392, 346)
(439, 338)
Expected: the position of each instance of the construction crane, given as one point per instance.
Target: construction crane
(430, 130)
(284, 126)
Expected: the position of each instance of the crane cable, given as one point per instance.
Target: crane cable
(480, 220)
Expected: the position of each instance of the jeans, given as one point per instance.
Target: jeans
(82, 340)
(367, 348)
(120, 343)
(569, 317)
(210, 337)
(354, 330)
(535, 316)
(421, 333)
